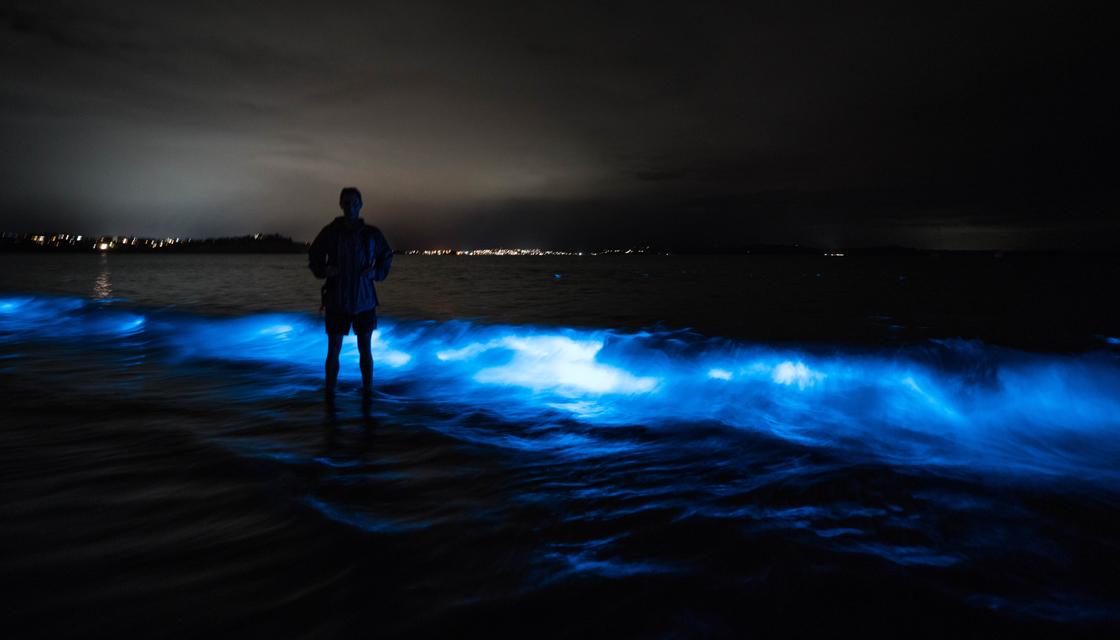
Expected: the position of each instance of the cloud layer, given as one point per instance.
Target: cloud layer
(562, 124)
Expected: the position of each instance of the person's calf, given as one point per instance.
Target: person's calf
(334, 347)
(332, 375)
(365, 363)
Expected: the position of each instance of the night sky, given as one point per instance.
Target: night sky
(940, 124)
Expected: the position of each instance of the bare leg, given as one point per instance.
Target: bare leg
(365, 354)
(334, 346)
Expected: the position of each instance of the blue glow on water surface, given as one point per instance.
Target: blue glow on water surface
(945, 403)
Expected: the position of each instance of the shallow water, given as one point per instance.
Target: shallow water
(173, 469)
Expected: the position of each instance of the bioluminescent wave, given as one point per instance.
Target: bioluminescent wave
(946, 404)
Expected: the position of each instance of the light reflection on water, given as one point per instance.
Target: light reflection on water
(102, 286)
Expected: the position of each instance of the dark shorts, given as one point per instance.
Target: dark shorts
(338, 322)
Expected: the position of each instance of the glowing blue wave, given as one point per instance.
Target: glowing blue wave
(949, 403)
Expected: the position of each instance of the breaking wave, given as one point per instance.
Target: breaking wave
(949, 404)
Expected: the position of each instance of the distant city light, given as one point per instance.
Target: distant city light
(66, 241)
(502, 251)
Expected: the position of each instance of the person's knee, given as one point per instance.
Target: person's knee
(364, 344)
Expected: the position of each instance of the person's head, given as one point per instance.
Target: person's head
(351, 202)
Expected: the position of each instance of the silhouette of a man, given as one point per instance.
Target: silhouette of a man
(351, 255)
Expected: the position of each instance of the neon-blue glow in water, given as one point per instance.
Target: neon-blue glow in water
(947, 404)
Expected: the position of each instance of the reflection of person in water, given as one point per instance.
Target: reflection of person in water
(351, 255)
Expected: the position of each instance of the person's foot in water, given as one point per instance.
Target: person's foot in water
(367, 401)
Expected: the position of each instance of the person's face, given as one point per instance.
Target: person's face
(351, 205)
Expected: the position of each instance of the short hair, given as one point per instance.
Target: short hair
(342, 197)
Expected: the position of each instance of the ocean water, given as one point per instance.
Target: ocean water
(629, 446)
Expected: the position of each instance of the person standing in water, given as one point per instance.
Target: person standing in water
(351, 255)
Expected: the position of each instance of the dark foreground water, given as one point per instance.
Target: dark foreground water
(571, 460)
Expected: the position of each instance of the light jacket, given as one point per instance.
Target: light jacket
(362, 256)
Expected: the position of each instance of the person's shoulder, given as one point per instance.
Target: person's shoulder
(374, 230)
(333, 224)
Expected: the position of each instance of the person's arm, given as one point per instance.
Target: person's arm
(384, 258)
(317, 257)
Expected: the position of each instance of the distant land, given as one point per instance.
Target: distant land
(275, 243)
(74, 243)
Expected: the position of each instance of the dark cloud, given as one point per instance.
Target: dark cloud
(564, 123)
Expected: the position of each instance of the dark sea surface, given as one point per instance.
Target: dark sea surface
(625, 446)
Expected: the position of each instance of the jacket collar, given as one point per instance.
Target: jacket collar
(348, 223)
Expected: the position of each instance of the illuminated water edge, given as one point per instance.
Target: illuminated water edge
(945, 404)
